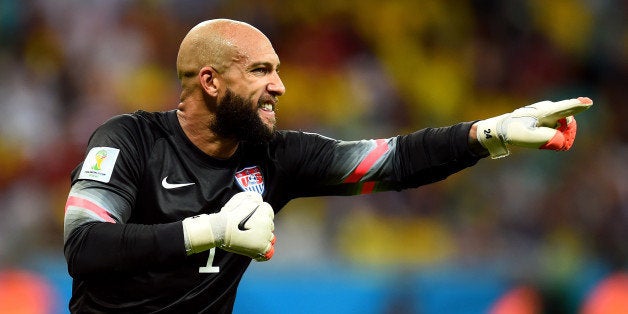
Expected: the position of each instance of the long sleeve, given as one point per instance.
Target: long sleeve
(316, 165)
(97, 241)
(99, 248)
(433, 154)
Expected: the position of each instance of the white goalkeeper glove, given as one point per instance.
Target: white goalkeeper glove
(542, 125)
(243, 226)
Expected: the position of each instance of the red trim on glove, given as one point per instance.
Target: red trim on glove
(564, 137)
(271, 251)
(585, 100)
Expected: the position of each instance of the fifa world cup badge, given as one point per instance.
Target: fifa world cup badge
(99, 164)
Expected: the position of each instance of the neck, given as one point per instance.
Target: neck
(195, 126)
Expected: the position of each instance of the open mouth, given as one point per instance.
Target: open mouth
(267, 107)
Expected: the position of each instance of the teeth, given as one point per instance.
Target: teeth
(267, 107)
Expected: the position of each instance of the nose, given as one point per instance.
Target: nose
(275, 86)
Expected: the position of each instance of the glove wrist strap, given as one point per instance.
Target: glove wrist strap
(198, 233)
(490, 137)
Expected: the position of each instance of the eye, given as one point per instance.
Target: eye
(260, 70)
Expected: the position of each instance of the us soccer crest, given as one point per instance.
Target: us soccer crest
(250, 179)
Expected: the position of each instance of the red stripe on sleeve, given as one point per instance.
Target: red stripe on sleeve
(367, 187)
(380, 149)
(89, 205)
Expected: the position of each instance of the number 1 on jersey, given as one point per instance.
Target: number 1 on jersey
(209, 268)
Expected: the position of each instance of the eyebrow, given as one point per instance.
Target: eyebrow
(264, 64)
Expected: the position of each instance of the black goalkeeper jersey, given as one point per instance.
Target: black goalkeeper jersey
(142, 176)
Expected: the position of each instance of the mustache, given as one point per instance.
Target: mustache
(270, 99)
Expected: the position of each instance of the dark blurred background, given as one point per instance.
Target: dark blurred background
(537, 232)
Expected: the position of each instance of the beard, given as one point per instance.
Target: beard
(238, 118)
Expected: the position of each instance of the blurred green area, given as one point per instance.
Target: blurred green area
(352, 69)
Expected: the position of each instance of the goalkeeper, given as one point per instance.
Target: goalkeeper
(168, 209)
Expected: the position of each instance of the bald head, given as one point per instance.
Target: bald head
(217, 43)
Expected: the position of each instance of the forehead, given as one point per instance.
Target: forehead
(254, 47)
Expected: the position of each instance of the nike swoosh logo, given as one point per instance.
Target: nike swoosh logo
(245, 219)
(169, 186)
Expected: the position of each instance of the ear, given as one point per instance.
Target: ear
(209, 81)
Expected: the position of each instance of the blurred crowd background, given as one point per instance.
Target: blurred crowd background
(539, 231)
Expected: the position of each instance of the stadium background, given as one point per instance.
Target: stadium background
(538, 230)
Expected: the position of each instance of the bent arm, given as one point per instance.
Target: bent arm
(97, 241)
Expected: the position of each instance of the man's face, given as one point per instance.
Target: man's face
(246, 110)
(242, 119)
